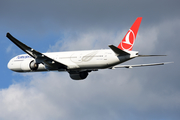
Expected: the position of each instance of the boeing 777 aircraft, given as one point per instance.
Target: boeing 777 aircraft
(79, 63)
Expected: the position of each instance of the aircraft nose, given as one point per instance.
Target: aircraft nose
(14, 65)
(9, 65)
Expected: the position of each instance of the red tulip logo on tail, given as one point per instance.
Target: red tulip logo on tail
(128, 40)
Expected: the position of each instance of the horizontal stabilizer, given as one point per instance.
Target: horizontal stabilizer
(140, 65)
(150, 55)
(118, 51)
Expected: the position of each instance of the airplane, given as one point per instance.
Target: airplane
(79, 63)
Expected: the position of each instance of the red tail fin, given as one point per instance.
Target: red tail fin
(128, 40)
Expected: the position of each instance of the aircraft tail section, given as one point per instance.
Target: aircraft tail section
(128, 40)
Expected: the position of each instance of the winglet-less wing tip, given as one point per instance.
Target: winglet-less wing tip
(8, 35)
(168, 62)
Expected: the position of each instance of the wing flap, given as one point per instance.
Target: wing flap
(39, 57)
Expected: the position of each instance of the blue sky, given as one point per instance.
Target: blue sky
(139, 93)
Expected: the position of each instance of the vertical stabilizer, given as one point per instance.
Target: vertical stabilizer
(128, 40)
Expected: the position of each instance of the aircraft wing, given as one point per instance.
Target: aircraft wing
(39, 57)
(140, 65)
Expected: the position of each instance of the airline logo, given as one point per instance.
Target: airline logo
(23, 57)
(128, 40)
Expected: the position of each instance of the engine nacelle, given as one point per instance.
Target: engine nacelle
(33, 65)
(79, 75)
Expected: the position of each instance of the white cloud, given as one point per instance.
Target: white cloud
(25, 102)
(54, 95)
(86, 40)
(9, 48)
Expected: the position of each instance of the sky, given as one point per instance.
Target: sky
(150, 93)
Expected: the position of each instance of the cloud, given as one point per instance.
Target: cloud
(54, 95)
(23, 102)
(86, 40)
(9, 48)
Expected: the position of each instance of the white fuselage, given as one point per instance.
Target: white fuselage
(75, 60)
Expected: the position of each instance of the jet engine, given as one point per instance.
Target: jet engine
(78, 75)
(33, 65)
